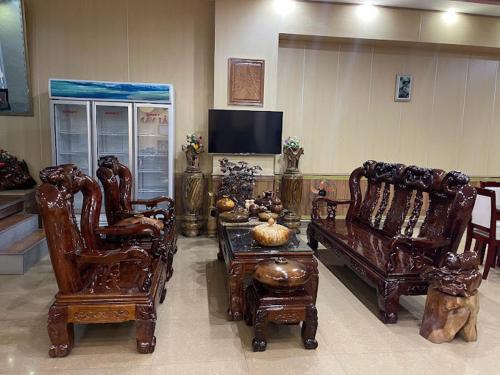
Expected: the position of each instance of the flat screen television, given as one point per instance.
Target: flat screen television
(244, 132)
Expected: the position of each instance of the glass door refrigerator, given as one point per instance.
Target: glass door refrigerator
(112, 126)
(133, 121)
(72, 136)
(154, 150)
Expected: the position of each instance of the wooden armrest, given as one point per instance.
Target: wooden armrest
(417, 247)
(168, 214)
(130, 254)
(330, 204)
(153, 202)
(128, 230)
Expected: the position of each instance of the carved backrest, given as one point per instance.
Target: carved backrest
(396, 195)
(75, 181)
(116, 180)
(55, 202)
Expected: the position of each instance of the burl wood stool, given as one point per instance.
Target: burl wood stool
(277, 295)
(452, 300)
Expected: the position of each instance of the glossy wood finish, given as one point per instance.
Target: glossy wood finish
(241, 264)
(97, 284)
(271, 234)
(281, 274)
(193, 190)
(14, 173)
(116, 180)
(263, 306)
(485, 237)
(378, 239)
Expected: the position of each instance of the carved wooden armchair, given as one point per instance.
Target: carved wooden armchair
(116, 180)
(143, 233)
(96, 284)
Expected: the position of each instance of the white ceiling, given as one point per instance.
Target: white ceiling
(488, 9)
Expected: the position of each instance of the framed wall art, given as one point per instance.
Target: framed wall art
(246, 82)
(403, 87)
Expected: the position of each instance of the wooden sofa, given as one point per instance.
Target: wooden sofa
(378, 239)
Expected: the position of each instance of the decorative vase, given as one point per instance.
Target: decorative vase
(271, 234)
(292, 156)
(192, 157)
(193, 187)
(281, 274)
(276, 206)
(225, 204)
(248, 203)
(291, 186)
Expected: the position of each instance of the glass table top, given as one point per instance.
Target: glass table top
(241, 241)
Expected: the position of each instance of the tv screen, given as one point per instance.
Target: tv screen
(244, 132)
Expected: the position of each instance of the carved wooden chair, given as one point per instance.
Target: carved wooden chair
(116, 180)
(484, 228)
(96, 284)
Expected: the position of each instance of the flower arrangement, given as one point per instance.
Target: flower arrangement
(292, 153)
(291, 142)
(195, 141)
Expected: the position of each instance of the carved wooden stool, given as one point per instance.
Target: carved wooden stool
(277, 295)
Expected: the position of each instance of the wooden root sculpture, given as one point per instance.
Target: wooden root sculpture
(452, 300)
(238, 181)
(14, 173)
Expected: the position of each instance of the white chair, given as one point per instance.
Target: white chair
(484, 229)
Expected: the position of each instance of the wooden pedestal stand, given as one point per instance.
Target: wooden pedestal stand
(291, 187)
(193, 187)
(452, 300)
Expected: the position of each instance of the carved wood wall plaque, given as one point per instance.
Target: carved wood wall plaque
(246, 82)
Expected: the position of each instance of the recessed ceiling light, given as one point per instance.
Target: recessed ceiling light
(367, 12)
(283, 7)
(450, 16)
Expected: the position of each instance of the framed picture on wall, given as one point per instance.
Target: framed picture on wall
(403, 87)
(246, 82)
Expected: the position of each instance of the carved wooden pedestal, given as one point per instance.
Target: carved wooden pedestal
(446, 315)
(192, 199)
(291, 196)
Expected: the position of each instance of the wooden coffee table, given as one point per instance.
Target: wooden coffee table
(241, 254)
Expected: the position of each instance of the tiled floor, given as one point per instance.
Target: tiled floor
(193, 336)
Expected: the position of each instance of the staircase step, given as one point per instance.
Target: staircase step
(22, 255)
(10, 206)
(15, 228)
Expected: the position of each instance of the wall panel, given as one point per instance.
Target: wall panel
(168, 41)
(349, 97)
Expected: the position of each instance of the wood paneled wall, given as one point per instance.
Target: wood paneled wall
(339, 99)
(169, 41)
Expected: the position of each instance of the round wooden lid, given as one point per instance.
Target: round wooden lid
(281, 274)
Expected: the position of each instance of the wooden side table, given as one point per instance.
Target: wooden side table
(277, 295)
(241, 255)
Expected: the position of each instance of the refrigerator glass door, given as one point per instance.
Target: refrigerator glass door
(152, 150)
(73, 137)
(113, 129)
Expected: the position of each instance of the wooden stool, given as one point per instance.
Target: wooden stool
(277, 295)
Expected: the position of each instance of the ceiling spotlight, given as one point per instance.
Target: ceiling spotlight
(450, 16)
(367, 11)
(283, 7)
